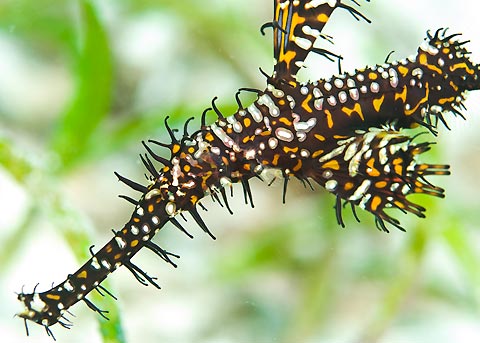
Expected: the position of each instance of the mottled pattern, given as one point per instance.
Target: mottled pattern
(346, 133)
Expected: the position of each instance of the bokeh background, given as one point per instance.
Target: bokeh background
(83, 82)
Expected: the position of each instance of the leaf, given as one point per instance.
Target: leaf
(91, 100)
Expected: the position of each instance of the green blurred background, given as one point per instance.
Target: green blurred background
(83, 82)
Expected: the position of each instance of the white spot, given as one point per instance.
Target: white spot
(360, 77)
(67, 285)
(272, 143)
(304, 153)
(170, 208)
(338, 83)
(363, 89)
(317, 93)
(95, 263)
(120, 242)
(140, 211)
(331, 100)
(318, 104)
(303, 43)
(393, 77)
(255, 112)
(351, 151)
(354, 94)
(134, 230)
(155, 220)
(327, 86)
(361, 190)
(150, 194)
(266, 100)
(250, 154)
(304, 90)
(374, 87)
(146, 228)
(106, 264)
(342, 96)
(284, 134)
(331, 185)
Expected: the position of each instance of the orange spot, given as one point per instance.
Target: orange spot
(288, 57)
(443, 101)
(209, 137)
(403, 70)
(187, 168)
(191, 150)
(275, 159)
(372, 76)
(329, 119)
(246, 166)
(423, 59)
(281, 102)
(82, 275)
(175, 148)
(402, 95)
(298, 166)
(376, 201)
(124, 231)
(357, 109)
(305, 104)
(317, 153)
(333, 164)
(109, 249)
(381, 184)
(136, 220)
(246, 139)
(134, 243)
(399, 204)
(319, 137)
(454, 86)
(377, 103)
(150, 208)
(53, 296)
(287, 149)
(117, 256)
(348, 186)
(285, 121)
(247, 122)
(322, 17)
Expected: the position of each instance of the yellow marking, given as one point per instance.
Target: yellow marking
(443, 101)
(265, 162)
(124, 231)
(209, 137)
(454, 86)
(322, 17)
(377, 103)
(275, 159)
(281, 102)
(329, 119)
(398, 160)
(423, 59)
(229, 130)
(403, 70)
(288, 57)
(357, 109)
(376, 201)
(333, 164)
(381, 184)
(194, 199)
(399, 204)
(187, 168)
(150, 208)
(319, 137)
(134, 243)
(305, 104)
(246, 139)
(446, 51)
(462, 65)
(166, 169)
(372, 76)
(136, 220)
(53, 296)
(317, 153)
(117, 256)
(340, 136)
(374, 171)
(348, 186)
(298, 166)
(175, 148)
(402, 95)
(292, 83)
(287, 149)
(82, 275)
(266, 133)
(421, 101)
(247, 122)
(109, 249)
(285, 121)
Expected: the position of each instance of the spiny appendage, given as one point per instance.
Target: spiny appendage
(418, 90)
(296, 27)
(185, 178)
(377, 170)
